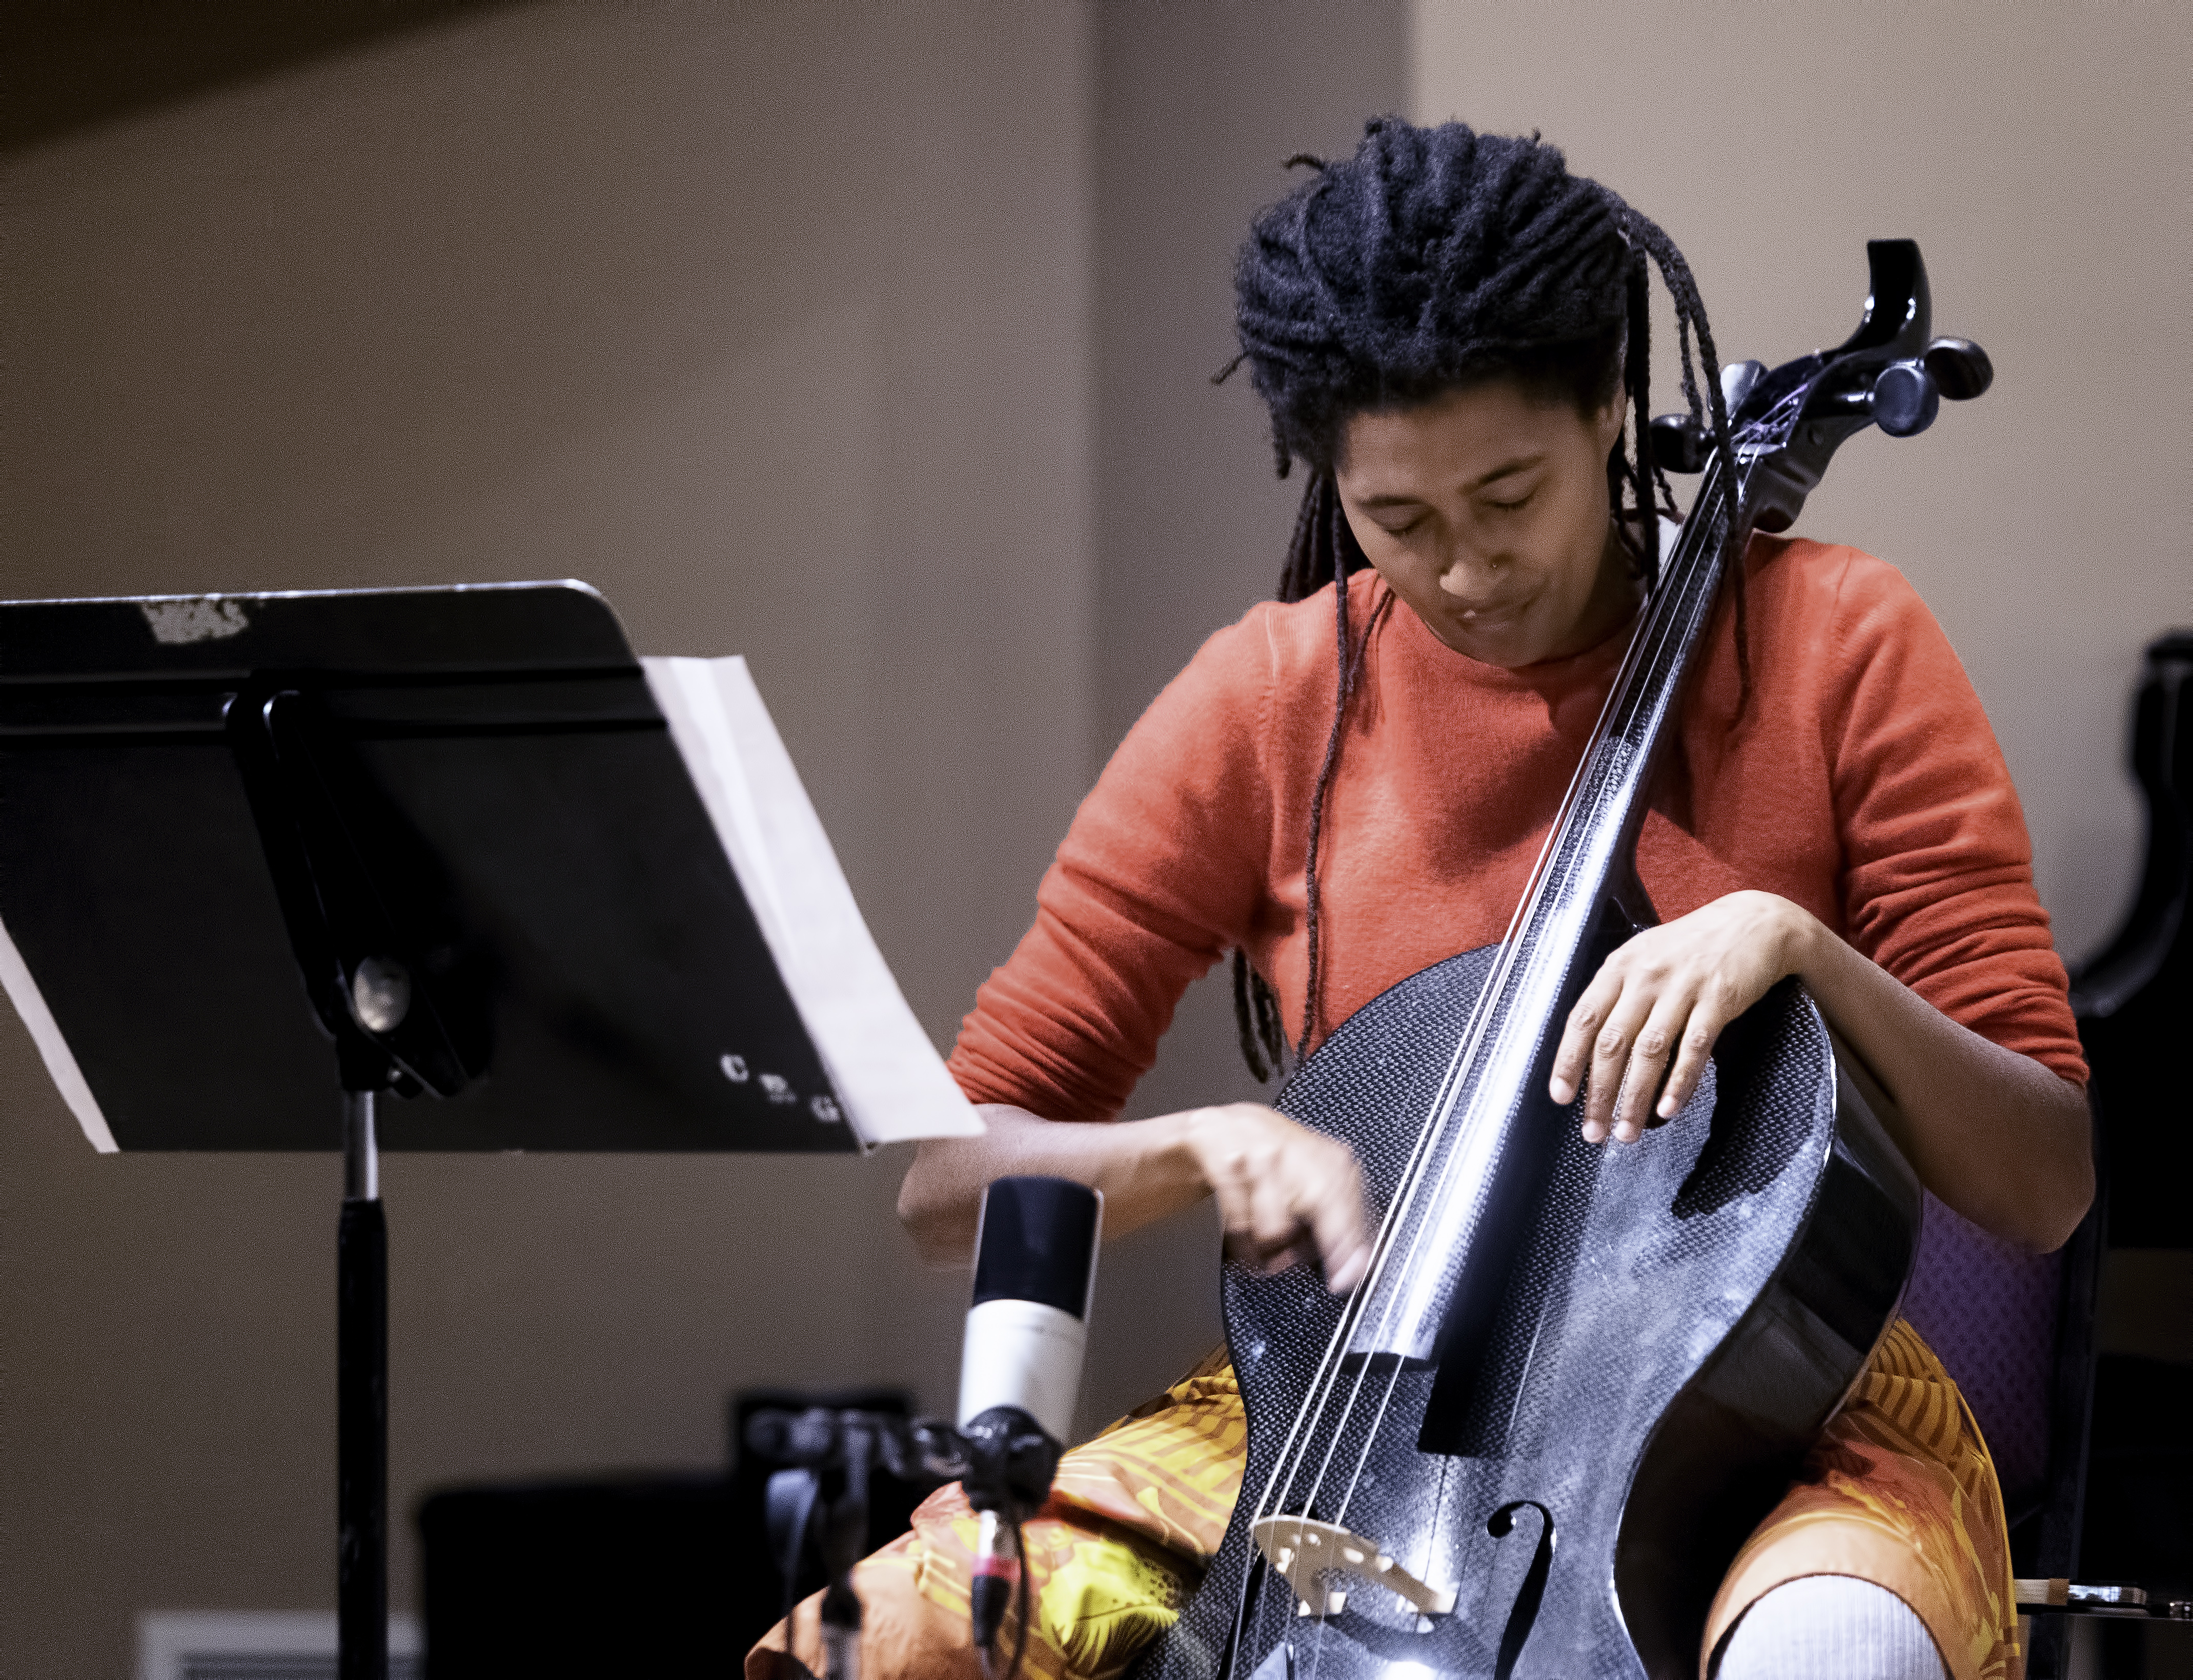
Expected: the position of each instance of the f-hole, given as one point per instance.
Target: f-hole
(1525, 1611)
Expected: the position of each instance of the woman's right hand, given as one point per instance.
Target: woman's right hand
(1285, 1192)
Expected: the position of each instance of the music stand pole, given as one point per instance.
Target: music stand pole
(361, 1404)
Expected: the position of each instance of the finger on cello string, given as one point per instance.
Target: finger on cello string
(1343, 1242)
(1285, 1192)
(1571, 1059)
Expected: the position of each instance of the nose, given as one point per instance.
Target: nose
(1468, 574)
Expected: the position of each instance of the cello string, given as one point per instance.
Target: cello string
(1431, 1132)
(1288, 1462)
(1681, 607)
(1331, 1364)
(1300, 1439)
(1547, 884)
(1684, 607)
(1475, 1120)
(1659, 627)
(1685, 601)
(1422, 1159)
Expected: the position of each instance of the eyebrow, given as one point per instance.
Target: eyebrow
(1505, 469)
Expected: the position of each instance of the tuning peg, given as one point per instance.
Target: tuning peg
(1737, 380)
(1679, 444)
(1961, 367)
(1905, 399)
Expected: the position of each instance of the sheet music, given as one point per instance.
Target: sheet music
(53, 1049)
(892, 1082)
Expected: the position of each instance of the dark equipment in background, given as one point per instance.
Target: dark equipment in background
(2135, 1002)
(670, 1575)
(456, 817)
(665, 1576)
(819, 1504)
(762, 1458)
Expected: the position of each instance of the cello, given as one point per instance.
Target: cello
(1574, 1379)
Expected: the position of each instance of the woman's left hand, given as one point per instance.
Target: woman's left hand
(1670, 992)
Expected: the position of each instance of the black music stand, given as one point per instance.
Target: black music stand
(461, 818)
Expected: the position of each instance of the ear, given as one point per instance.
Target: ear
(1608, 423)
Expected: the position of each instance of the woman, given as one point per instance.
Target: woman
(1450, 332)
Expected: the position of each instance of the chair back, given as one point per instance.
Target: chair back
(1990, 1310)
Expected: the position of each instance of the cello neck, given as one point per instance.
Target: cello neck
(1481, 1129)
(1592, 839)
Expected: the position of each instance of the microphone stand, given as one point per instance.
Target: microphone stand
(1003, 1458)
(1035, 1277)
(1007, 1462)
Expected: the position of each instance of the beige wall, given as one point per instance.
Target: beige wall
(773, 321)
(1196, 107)
(871, 341)
(2039, 153)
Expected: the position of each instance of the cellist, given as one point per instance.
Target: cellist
(1352, 784)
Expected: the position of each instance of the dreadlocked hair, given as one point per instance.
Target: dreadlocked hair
(1432, 260)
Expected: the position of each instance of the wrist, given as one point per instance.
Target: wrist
(1182, 1141)
(1807, 947)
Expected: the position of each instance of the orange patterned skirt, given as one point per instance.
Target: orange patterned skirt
(1898, 1491)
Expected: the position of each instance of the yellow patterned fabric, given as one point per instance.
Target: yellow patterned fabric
(1134, 1516)
(1899, 1491)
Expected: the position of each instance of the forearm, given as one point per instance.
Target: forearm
(1994, 1135)
(1144, 1168)
(1285, 1192)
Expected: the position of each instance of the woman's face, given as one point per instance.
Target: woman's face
(1485, 511)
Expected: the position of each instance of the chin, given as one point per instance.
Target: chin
(1504, 643)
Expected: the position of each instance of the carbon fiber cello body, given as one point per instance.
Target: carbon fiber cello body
(1682, 1320)
(1528, 1446)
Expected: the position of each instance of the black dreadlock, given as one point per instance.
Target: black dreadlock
(1434, 258)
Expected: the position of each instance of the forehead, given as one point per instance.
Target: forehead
(1462, 434)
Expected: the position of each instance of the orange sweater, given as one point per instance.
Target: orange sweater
(1861, 782)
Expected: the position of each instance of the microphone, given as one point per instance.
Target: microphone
(1035, 1277)
(1020, 1371)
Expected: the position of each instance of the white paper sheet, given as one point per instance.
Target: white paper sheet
(61, 1062)
(892, 1082)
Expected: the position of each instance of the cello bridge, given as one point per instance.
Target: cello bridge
(1315, 1557)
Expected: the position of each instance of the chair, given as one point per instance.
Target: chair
(2017, 1332)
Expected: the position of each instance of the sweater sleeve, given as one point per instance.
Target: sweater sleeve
(1937, 869)
(1161, 872)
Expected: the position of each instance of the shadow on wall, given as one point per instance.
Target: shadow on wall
(75, 64)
